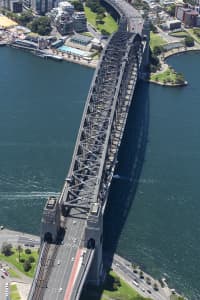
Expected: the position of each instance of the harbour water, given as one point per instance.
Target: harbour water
(153, 216)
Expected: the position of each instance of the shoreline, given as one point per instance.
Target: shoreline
(163, 63)
(128, 271)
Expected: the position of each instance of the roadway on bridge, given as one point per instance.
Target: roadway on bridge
(62, 274)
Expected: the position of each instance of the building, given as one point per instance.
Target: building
(198, 21)
(27, 4)
(12, 5)
(42, 6)
(80, 22)
(190, 18)
(66, 7)
(64, 23)
(66, 20)
(16, 6)
(180, 12)
(173, 24)
(80, 41)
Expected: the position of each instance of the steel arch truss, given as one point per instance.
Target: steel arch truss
(103, 122)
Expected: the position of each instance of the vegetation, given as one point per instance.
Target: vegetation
(14, 294)
(180, 34)
(189, 41)
(78, 5)
(113, 288)
(13, 273)
(27, 251)
(156, 40)
(106, 24)
(95, 6)
(168, 76)
(6, 249)
(26, 264)
(195, 33)
(24, 18)
(171, 10)
(176, 297)
(41, 25)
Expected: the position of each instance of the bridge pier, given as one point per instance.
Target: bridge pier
(94, 239)
(50, 224)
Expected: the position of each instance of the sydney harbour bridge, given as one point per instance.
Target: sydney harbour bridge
(72, 225)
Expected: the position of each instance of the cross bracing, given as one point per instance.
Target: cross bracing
(103, 121)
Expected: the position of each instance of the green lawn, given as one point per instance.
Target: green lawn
(13, 273)
(14, 292)
(156, 40)
(195, 37)
(181, 34)
(109, 23)
(168, 76)
(175, 297)
(14, 260)
(105, 292)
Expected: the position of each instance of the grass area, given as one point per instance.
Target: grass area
(87, 33)
(14, 260)
(181, 34)
(175, 297)
(109, 23)
(168, 76)
(14, 294)
(111, 290)
(195, 37)
(156, 40)
(13, 273)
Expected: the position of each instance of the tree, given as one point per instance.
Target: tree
(95, 6)
(27, 265)
(148, 280)
(189, 41)
(25, 17)
(99, 19)
(6, 249)
(19, 249)
(31, 259)
(180, 78)
(155, 286)
(141, 273)
(157, 50)
(104, 32)
(78, 6)
(28, 251)
(171, 10)
(41, 25)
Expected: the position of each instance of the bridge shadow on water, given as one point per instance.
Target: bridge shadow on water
(123, 188)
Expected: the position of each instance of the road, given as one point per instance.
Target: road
(16, 238)
(67, 263)
(124, 269)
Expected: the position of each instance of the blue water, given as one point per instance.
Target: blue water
(155, 216)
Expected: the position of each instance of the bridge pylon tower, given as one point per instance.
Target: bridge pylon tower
(50, 224)
(93, 239)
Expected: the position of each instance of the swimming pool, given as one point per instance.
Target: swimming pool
(74, 51)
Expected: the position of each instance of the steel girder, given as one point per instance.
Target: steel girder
(92, 167)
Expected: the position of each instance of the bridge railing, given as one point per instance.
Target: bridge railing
(42, 259)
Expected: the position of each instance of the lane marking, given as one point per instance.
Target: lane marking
(73, 275)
